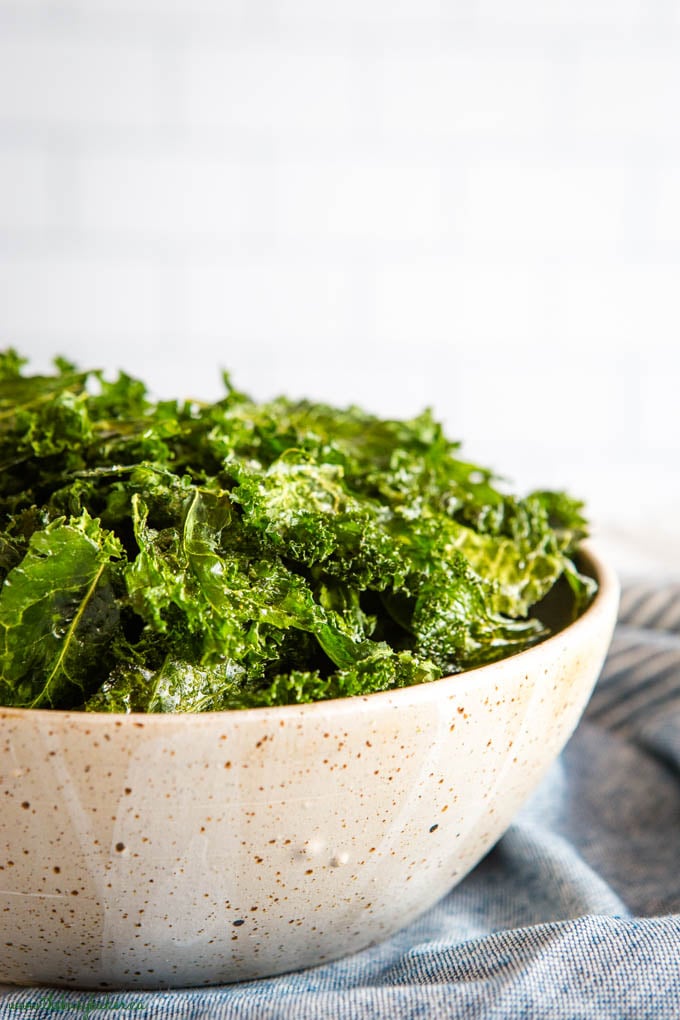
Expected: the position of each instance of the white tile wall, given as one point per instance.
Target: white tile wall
(96, 302)
(521, 209)
(170, 196)
(53, 79)
(472, 205)
(25, 205)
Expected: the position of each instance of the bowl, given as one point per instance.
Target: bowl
(161, 851)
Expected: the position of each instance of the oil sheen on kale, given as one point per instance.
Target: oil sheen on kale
(178, 556)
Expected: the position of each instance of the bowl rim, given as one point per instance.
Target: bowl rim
(604, 604)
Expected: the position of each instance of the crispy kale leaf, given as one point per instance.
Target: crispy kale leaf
(57, 613)
(179, 556)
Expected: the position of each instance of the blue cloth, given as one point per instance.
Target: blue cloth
(574, 914)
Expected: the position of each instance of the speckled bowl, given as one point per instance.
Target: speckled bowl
(157, 851)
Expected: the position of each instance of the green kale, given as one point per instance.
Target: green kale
(177, 556)
(58, 613)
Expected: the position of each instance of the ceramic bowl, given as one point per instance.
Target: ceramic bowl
(174, 850)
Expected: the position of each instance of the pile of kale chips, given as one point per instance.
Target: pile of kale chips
(180, 556)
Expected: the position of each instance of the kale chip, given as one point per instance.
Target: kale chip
(166, 556)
